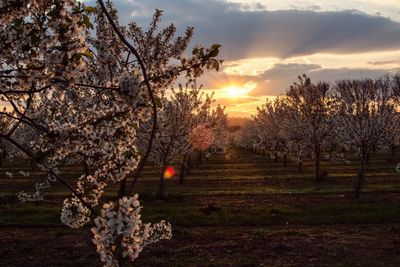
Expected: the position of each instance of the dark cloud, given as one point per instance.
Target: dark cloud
(261, 33)
(252, 6)
(385, 62)
(315, 7)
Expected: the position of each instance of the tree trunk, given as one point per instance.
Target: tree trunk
(161, 186)
(276, 157)
(318, 163)
(263, 153)
(361, 176)
(393, 148)
(189, 164)
(284, 160)
(367, 159)
(300, 166)
(183, 169)
(199, 158)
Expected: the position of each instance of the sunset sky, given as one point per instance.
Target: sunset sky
(267, 43)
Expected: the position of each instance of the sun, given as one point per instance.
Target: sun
(235, 91)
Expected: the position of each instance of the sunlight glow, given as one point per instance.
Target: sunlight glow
(235, 91)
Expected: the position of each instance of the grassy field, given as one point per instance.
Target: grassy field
(246, 211)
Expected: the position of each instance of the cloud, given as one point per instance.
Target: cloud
(249, 31)
(216, 80)
(282, 71)
(278, 79)
(261, 33)
(236, 101)
(385, 62)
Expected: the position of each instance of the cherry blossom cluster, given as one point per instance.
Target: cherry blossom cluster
(42, 42)
(122, 223)
(37, 195)
(157, 232)
(74, 213)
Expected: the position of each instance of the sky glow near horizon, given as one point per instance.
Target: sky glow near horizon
(266, 44)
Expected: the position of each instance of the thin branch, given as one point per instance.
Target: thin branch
(96, 87)
(149, 90)
(29, 154)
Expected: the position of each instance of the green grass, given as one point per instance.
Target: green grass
(225, 215)
(232, 184)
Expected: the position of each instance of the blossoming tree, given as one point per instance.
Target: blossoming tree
(176, 119)
(85, 96)
(367, 113)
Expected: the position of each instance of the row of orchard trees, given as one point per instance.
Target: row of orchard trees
(78, 86)
(357, 116)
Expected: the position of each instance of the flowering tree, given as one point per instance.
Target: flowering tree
(310, 111)
(86, 98)
(219, 123)
(248, 137)
(300, 122)
(367, 113)
(280, 130)
(176, 119)
(267, 122)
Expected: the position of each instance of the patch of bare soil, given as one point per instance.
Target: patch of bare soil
(333, 245)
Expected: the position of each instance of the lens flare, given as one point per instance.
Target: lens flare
(169, 172)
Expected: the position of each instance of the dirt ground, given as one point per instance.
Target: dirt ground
(333, 245)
